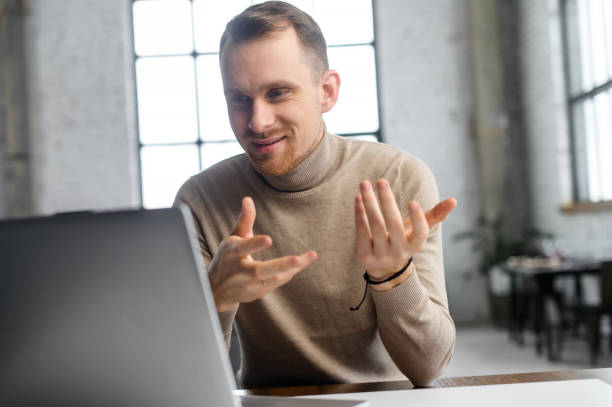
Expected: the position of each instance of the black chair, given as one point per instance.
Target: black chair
(591, 315)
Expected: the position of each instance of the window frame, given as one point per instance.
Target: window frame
(580, 176)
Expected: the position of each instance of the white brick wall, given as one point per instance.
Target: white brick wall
(426, 96)
(82, 105)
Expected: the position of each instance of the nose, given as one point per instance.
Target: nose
(262, 116)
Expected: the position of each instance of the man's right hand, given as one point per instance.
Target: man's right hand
(236, 277)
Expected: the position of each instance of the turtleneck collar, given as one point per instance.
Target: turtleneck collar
(310, 172)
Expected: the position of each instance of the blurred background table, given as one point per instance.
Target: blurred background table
(543, 274)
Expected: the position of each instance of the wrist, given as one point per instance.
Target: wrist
(223, 307)
(221, 304)
(395, 282)
(386, 284)
(216, 285)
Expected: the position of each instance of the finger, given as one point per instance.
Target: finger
(244, 225)
(363, 244)
(375, 217)
(251, 245)
(420, 229)
(282, 278)
(265, 270)
(440, 212)
(407, 226)
(391, 213)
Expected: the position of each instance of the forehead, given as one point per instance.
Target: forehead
(278, 56)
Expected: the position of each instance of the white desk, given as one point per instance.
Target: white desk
(570, 393)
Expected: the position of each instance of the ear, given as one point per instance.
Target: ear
(331, 88)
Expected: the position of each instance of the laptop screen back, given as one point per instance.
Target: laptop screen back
(108, 309)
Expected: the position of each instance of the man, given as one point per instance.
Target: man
(328, 210)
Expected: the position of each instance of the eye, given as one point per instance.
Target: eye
(239, 99)
(278, 93)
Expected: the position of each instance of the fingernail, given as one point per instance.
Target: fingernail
(365, 186)
(413, 206)
(312, 256)
(383, 184)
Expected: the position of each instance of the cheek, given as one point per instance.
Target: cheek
(237, 119)
(301, 114)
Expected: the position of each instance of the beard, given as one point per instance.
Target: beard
(269, 167)
(273, 165)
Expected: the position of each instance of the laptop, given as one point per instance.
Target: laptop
(113, 309)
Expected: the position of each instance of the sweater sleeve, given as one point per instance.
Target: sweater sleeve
(416, 330)
(188, 195)
(413, 318)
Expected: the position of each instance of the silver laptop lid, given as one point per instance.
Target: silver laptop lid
(108, 309)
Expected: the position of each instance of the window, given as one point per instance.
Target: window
(182, 118)
(587, 29)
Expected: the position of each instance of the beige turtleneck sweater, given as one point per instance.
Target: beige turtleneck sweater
(304, 332)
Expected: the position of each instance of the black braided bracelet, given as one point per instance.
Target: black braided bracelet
(368, 280)
(366, 277)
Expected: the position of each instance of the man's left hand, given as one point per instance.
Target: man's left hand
(386, 241)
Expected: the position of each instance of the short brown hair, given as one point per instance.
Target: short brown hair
(262, 19)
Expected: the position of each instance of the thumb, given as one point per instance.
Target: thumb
(244, 225)
(440, 212)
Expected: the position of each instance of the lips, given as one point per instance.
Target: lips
(268, 141)
(268, 145)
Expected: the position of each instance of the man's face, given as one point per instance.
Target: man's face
(273, 101)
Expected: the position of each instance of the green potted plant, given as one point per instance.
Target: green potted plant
(494, 247)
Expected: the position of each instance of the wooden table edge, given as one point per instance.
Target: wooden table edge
(604, 374)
